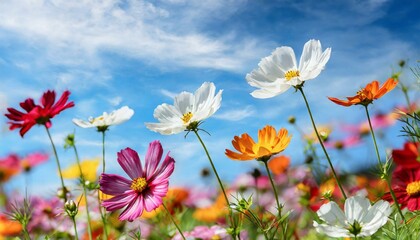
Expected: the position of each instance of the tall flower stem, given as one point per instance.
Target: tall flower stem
(388, 181)
(273, 186)
(322, 144)
(103, 213)
(279, 208)
(76, 236)
(173, 220)
(89, 228)
(58, 164)
(217, 176)
(103, 151)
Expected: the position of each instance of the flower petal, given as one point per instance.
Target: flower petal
(313, 60)
(376, 217)
(113, 184)
(150, 201)
(356, 208)
(166, 113)
(130, 162)
(184, 102)
(153, 157)
(332, 231)
(166, 128)
(133, 210)
(82, 123)
(284, 58)
(332, 214)
(119, 201)
(163, 172)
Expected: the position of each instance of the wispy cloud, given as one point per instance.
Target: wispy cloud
(74, 33)
(168, 94)
(236, 114)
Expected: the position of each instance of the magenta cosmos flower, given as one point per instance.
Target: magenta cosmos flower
(147, 186)
(38, 113)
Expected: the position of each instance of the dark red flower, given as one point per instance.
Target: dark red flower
(408, 157)
(38, 114)
(406, 185)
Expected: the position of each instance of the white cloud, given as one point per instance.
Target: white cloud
(115, 101)
(168, 94)
(236, 114)
(73, 33)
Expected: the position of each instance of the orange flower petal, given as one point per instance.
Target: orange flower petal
(279, 164)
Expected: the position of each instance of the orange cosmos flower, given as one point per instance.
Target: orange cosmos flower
(366, 95)
(9, 227)
(279, 164)
(213, 213)
(269, 143)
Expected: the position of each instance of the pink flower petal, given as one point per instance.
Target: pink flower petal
(119, 201)
(133, 210)
(113, 184)
(130, 162)
(159, 190)
(151, 201)
(164, 171)
(153, 156)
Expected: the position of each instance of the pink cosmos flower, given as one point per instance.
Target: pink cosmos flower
(379, 121)
(32, 160)
(9, 167)
(48, 215)
(147, 186)
(38, 114)
(347, 142)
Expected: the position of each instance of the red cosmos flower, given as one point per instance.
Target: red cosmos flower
(38, 114)
(406, 185)
(408, 157)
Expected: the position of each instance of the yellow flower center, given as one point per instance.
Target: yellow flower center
(361, 93)
(413, 189)
(138, 184)
(187, 117)
(92, 120)
(291, 74)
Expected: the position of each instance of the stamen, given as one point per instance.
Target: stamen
(187, 117)
(291, 74)
(138, 184)
(413, 188)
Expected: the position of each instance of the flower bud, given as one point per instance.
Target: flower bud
(291, 120)
(62, 193)
(71, 208)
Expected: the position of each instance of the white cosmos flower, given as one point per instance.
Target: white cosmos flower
(114, 118)
(279, 71)
(358, 219)
(188, 108)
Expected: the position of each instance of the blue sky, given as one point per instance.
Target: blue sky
(141, 53)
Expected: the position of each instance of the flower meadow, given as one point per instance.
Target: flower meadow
(277, 200)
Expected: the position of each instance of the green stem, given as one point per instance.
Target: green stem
(322, 144)
(103, 217)
(173, 220)
(380, 165)
(217, 176)
(103, 213)
(58, 164)
(279, 208)
(212, 166)
(273, 186)
(407, 99)
(76, 236)
(84, 192)
(103, 151)
(26, 235)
